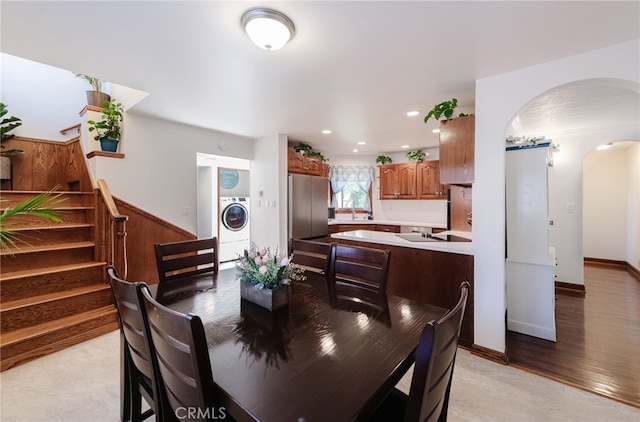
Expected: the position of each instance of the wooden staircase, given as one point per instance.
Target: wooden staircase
(53, 290)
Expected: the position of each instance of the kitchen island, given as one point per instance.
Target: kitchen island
(425, 271)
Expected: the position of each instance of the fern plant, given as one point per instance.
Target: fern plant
(42, 205)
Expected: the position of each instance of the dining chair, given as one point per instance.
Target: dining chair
(357, 271)
(314, 257)
(181, 263)
(428, 398)
(138, 364)
(183, 360)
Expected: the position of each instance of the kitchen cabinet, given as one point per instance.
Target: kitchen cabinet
(347, 227)
(398, 181)
(324, 170)
(300, 163)
(390, 228)
(428, 180)
(457, 143)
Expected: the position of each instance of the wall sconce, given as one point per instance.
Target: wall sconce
(267, 28)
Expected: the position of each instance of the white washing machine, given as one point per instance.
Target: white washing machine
(233, 236)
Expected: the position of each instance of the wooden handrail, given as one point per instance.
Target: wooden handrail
(118, 233)
(70, 129)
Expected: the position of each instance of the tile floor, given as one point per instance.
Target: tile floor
(81, 384)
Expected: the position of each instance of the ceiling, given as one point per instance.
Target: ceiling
(353, 67)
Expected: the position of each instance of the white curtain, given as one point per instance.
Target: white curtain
(362, 176)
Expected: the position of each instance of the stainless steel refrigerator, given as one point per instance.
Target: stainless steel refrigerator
(308, 200)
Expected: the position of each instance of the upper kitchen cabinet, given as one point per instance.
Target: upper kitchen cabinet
(428, 180)
(457, 143)
(300, 163)
(398, 181)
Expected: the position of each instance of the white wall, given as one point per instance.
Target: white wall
(269, 186)
(498, 100)
(605, 204)
(426, 211)
(29, 88)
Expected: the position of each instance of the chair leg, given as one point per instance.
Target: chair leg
(125, 382)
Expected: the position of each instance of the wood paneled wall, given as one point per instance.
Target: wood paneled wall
(46, 164)
(144, 230)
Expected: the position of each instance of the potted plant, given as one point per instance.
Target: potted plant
(95, 97)
(383, 159)
(417, 155)
(109, 129)
(302, 148)
(6, 125)
(445, 108)
(264, 277)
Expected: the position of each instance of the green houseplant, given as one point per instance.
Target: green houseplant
(42, 205)
(95, 97)
(445, 108)
(383, 159)
(109, 129)
(417, 155)
(7, 124)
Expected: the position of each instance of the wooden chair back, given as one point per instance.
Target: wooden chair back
(313, 256)
(361, 267)
(183, 358)
(139, 363)
(179, 261)
(435, 357)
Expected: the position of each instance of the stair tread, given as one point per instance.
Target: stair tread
(47, 270)
(40, 248)
(54, 226)
(26, 333)
(47, 297)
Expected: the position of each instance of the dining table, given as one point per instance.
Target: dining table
(316, 359)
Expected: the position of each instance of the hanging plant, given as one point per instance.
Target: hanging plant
(445, 108)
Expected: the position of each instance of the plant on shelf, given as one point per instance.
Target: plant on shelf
(302, 148)
(95, 97)
(266, 270)
(445, 108)
(110, 127)
(383, 159)
(313, 153)
(417, 155)
(6, 125)
(42, 205)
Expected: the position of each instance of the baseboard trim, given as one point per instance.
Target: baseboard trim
(490, 354)
(570, 289)
(635, 272)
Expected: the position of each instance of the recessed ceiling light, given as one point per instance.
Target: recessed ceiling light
(413, 113)
(355, 150)
(327, 132)
(362, 143)
(436, 131)
(405, 146)
(603, 147)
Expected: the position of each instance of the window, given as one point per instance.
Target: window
(351, 187)
(351, 196)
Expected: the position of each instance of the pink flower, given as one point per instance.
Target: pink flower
(258, 260)
(264, 252)
(284, 262)
(263, 269)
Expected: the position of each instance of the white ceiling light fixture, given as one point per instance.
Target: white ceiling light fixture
(327, 132)
(413, 113)
(604, 147)
(268, 28)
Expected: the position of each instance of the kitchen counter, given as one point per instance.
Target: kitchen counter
(392, 239)
(389, 222)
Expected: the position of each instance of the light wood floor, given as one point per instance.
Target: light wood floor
(598, 338)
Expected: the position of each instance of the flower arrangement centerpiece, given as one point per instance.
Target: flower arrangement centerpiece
(264, 277)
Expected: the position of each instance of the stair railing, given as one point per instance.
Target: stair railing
(115, 237)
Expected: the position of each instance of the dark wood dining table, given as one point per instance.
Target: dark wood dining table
(315, 360)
